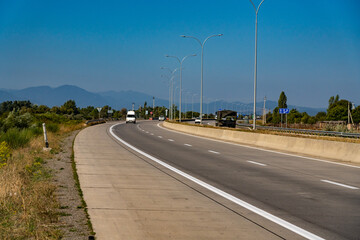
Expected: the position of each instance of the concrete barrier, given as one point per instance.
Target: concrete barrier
(343, 151)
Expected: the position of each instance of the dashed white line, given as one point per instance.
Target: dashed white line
(340, 184)
(189, 145)
(261, 164)
(147, 132)
(151, 134)
(171, 140)
(258, 148)
(159, 136)
(211, 151)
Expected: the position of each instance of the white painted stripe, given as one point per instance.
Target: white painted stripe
(151, 134)
(189, 145)
(261, 164)
(147, 132)
(159, 136)
(171, 140)
(261, 149)
(238, 201)
(211, 151)
(339, 184)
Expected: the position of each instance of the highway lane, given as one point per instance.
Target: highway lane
(301, 191)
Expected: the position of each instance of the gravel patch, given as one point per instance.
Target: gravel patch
(72, 217)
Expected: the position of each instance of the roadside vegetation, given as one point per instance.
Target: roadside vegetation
(28, 204)
(339, 113)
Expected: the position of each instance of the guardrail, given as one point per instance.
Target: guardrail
(305, 131)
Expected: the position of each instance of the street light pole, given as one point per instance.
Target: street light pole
(172, 86)
(181, 62)
(255, 68)
(202, 64)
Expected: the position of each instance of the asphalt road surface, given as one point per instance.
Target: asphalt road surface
(320, 197)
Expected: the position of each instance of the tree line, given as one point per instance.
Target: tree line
(337, 111)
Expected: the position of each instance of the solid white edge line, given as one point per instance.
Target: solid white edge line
(261, 149)
(257, 163)
(339, 184)
(231, 198)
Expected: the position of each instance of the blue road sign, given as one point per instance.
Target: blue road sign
(284, 110)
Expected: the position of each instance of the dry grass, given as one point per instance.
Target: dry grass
(28, 205)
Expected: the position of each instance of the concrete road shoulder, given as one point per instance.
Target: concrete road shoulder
(128, 198)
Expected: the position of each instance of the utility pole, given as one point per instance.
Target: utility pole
(264, 112)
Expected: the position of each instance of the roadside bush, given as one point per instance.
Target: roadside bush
(52, 127)
(4, 154)
(36, 130)
(17, 138)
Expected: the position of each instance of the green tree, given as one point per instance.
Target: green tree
(338, 110)
(294, 116)
(282, 102)
(69, 107)
(356, 114)
(320, 116)
(276, 116)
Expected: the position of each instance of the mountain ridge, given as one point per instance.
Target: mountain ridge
(45, 95)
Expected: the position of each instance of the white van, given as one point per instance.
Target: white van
(130, 117)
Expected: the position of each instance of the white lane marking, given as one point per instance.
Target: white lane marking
(151, 134)
(171, 140)
(189, 145)
(261, 164)
(261, 149)
(147, 132)
(273, 218)
(211, 151)
(339, 184)
(159, 136)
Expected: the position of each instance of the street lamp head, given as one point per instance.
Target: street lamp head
(220, 35)
(182, 36)
(167, 55)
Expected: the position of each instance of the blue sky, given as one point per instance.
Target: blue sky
(309, 49)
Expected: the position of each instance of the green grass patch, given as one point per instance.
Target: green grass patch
(17, 138)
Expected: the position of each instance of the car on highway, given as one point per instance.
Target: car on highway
(130, 117)
(161, 118)
(197, 120)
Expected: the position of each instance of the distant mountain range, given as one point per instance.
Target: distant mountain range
(44, 95)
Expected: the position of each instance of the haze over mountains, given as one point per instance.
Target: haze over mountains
(44, 95)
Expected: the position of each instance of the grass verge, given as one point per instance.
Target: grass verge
(28, 203)
(77, 183)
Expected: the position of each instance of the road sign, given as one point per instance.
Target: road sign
(99, 109)
(146, 112)
(284, 110)
(150, 112)
(110, 111)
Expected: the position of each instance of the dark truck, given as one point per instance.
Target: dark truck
(226, 118)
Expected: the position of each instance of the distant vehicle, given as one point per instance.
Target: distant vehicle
(226, 118)
(197, 120)
(161, 118)
(130, 117)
